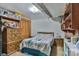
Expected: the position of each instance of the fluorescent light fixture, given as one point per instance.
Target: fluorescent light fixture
(34, 9)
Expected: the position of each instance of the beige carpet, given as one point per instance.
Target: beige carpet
(17, 54)
(60, 51)
(57, 51)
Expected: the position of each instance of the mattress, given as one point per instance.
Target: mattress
(42, 44)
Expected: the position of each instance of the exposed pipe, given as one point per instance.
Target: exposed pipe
(44, 8)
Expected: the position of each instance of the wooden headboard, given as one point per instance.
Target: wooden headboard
(46, 33)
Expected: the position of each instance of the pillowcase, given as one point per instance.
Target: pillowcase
(43, 36)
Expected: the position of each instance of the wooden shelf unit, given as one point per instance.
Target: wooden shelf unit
(8, 18)
(67, 19)
(71, 17)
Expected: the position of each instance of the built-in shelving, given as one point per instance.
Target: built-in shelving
(66, 24)
(69, 25)
(8, 18)
(71, 17)
(68, 18)
(9, 14)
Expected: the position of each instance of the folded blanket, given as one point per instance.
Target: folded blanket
(32, 52)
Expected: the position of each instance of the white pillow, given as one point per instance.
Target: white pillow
(44, 35)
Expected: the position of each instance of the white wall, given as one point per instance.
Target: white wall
(46, 25)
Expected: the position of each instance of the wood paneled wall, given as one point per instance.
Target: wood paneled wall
(25, 26)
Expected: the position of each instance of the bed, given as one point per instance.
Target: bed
(39, 45)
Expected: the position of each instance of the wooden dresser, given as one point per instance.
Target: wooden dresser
(10, 40)
(11, 37)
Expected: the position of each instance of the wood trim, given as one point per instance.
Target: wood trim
(46, 33)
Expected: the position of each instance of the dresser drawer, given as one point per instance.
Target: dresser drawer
(17, 44)
(12, 35)
(11, 48)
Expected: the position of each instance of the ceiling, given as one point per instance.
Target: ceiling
(55, 9)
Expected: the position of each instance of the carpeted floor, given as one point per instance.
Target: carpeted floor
(17, 54)
(57, 51)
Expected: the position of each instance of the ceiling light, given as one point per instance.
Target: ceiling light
(34, 9)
